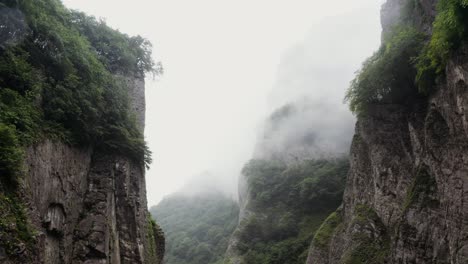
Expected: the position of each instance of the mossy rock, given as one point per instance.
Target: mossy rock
(423, 190)
(370, 241)
(327, 229)
(16, 234)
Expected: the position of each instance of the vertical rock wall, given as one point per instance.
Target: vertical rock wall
(90, 207)
(406, 199)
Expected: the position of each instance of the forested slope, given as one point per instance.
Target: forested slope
(284, 206)
(197, 227)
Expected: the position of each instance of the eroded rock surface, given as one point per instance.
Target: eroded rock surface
(406, 199)
(90, 207)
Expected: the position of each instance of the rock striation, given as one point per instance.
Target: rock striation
(89, 206)
(406, 199)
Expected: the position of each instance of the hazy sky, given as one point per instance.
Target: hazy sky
(220, 58)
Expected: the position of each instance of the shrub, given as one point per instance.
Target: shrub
(11, 155)
(407, 57)
(387, 77)
(449, 30)
(63, 72)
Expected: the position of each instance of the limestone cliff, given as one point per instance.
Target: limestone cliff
(72, 151)
(406, 199)
(89, 206)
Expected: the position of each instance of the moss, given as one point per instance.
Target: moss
(364, 214)
(368, 252)
(367, 248)
(325, 232)
(155, 237)
(14, 226)
(422, 190)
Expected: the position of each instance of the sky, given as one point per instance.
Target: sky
(221, 61)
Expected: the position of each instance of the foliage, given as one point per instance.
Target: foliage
(296, 186)
(422, 190)
(66, 84)
(387, 77)
(197, 227)
(270, 241)
(155, 237)
(449, 31)
(408, 57)
(11, 156)
(288, 204)
(324, 234)
(119, 52)
(14, 227)
(54, 83)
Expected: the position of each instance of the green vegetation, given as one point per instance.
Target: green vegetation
(296, 186)
(388, 76)
(118, 52)
(422, 190)
(450, 29)
(14, 227)
(197, 228)
(324, 234)
(367, 249)
(11, 156)
(409, 62)
(288, 204)
(58, 80)
(368, 252)
(156, 239)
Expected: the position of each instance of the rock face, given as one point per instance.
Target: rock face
(89, 206)
(406, 199)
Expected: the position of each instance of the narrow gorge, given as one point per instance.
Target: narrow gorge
(381, 178)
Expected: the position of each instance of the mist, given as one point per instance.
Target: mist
(309, 119)
(228, 65)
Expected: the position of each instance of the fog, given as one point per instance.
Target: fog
(309, 119)
(228, 66)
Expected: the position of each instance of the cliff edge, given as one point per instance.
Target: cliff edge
(72, 162)
(406, 198)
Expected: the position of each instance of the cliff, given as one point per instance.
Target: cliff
(88, 206)
(407, 190)
(78, 196)
(297, 173)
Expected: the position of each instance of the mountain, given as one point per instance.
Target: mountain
(406, 194)
(281, 208)
(72, 153)
(197, 226)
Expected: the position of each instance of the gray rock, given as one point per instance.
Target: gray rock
(409, 167)
(88, 209)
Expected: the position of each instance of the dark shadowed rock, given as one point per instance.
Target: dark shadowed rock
(409, 169)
